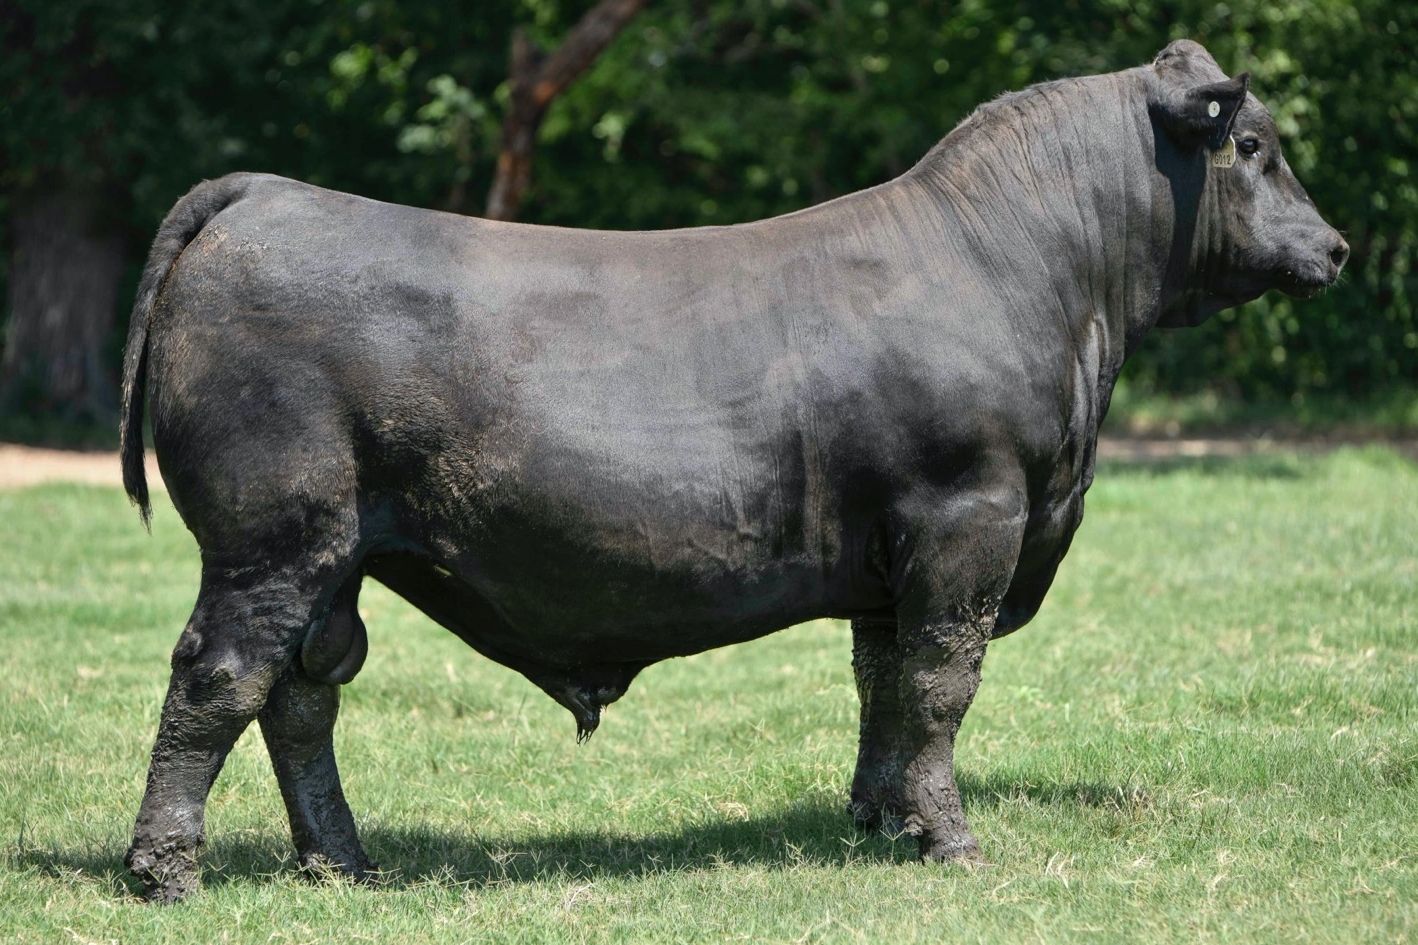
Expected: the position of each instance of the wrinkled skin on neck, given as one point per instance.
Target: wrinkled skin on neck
(1128, 245)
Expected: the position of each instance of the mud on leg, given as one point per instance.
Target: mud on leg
(243, 630)
(876, 785)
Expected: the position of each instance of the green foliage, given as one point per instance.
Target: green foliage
(1207, 729)
(709, 111)
(1339, 78)
(147, 97)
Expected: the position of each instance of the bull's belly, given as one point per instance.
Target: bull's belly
(626, 611)
(584, 642)
(634, 617)
(521, 589)
(625, 546)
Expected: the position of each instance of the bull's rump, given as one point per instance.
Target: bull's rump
(595, 432)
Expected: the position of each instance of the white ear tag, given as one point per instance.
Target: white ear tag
(1213, 109)
(1224, 156)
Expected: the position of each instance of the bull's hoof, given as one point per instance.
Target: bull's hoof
(871, 814)
(165, 875)
(951, 848)
(353, 869)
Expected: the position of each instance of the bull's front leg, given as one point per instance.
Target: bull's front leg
(940, 672)
(876, 662)
(952, 580)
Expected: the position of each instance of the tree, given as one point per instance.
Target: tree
(535, 78)
(68, 254)
(64, 276)
(92, 103)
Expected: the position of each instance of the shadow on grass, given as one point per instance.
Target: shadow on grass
(999, 790)
(1262, 467)
(818, 834)
(1279, 460)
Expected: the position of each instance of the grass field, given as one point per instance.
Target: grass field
(1210, 733)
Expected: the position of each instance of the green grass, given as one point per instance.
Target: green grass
(1383, 415)
(1208, 734)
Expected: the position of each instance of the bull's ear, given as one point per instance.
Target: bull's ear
(1204, 114)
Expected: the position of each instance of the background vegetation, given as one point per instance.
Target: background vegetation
(1207, 735)
(700, 111)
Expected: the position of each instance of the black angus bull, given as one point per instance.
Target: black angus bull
(584, 452)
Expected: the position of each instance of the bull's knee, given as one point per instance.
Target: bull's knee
(221, 678)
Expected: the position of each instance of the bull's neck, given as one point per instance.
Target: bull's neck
(1053, 195)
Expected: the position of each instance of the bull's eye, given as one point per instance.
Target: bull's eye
(1248, 146)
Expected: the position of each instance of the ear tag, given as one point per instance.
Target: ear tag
(1224, 156)
(1213, 109)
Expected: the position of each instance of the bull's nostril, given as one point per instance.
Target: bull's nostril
(1339, 254)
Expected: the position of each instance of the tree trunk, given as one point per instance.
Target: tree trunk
(64, 277)
(535, 78)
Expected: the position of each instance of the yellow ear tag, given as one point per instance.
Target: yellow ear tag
(1224, 156)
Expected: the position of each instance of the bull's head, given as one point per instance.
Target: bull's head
(1255, 228)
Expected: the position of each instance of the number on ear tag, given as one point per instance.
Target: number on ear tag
(1224, 156)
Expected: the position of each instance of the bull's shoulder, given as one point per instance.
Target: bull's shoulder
(974, 388)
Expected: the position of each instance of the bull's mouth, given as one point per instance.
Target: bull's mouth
(1305, 290)
(1306, 283)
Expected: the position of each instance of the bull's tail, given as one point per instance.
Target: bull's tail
(181, 225)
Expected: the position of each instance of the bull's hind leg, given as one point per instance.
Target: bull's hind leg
(243, 633)
(298, 723)
(876, 786)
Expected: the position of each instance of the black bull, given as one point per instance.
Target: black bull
(584, 452)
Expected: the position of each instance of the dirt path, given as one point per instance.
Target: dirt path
(22, 466)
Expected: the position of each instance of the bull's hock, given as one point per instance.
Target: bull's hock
(585, 452)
